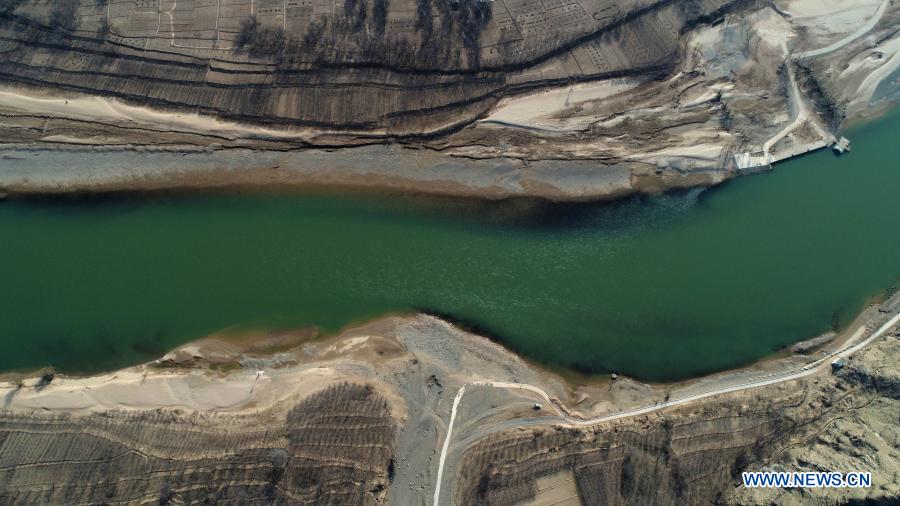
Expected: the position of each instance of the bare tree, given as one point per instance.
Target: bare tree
(7, 7)
(424, 19)
(64, 15)
(379, 16)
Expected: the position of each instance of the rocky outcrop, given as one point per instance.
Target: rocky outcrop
(810, 345)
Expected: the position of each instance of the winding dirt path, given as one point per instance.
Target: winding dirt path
(762, 381)
(862, 30)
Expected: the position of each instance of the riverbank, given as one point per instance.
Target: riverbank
(416, 365)
(554, 129)
(240, 375)
(664, 287)
(42, 169)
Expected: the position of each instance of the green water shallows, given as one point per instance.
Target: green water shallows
(658, 287)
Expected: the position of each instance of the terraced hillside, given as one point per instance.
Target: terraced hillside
(696, 455)
(363, 418)
(334, 447)
(398, 67)
(562, 99)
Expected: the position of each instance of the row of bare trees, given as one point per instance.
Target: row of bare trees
(60, 16)
(360, 36)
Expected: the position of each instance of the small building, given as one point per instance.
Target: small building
(841, 145)
(838, 364)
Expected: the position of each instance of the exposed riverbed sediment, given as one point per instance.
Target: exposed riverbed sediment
(58, 170)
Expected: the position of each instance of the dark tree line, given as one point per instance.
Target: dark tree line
(424, 19)
(355, 12)
(7, 7)
(471, 18)
(62, 15)
(359, 35)
(379, 16)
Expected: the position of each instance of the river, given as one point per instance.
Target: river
(658, 287)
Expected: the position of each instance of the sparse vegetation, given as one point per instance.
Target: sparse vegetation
(103, 29)
(8, 7)
(334, 447)
(401, 69)
(349, 40)
(472, 17)
(355, 14)
(645, 461)
(46, 378)
(424, 20)
(379, 16)
(64, 15)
